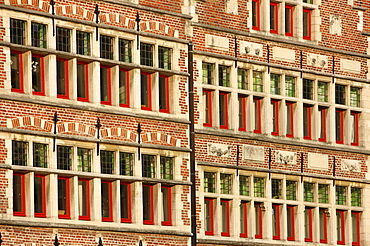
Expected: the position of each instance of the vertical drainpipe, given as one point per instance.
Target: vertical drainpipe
(193, 205)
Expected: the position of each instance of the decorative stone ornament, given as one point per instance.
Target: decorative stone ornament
(285, 157)
(222, 150)
(351, 165)
(254, 153)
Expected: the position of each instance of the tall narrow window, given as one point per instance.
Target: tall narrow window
(339, 126)
(106, 201)
(82, 82)
(355, 197)
(275, 117)
(274, 17)
(307, 89)
(322, 91)
(242, 78)
(19, 195)
(83, 199)
(356, 228)
(258, 220)
(256, 15)
(64, 198)
(62, 79)
(308, 224)
(209, 216)
(107, 162)
(257, 115)
(308, 192)
(223, 75)
(243, 185)
(166, 166)
(225, 183)
(207, 73)
(207, 99)
(17, 31)
(257, 81)
(19, 153)
(125, 53)
(146, 54)
(291, 190)
(16, 74)
(83, 160)
(164, 57)
(209, 182)
(322, 124)
(39, 196)
(355, 97)
(83, 43)
(276, 188)
(242, 100)
(289, 86)
(340, 94)
(166, 205)
(125, 198)
(289, 20)
(323, 226)
(38, 76)
(148, 204)
(148, 166)
(354, 128)
(126, 163)
(289, 119)
(225, 218)
(243, 219)
(105, 85)
(290, 223)
(106, 47)
(340, 195)
(323, 194)
(276, 221)
(275, 83)
(63, 39)
(259, 187)
(124, 88)
(307, 122)
(146, 91)
(164, 94)
(224, 110)
(341, 229)
(307, 24)
(38, 35)
(64, 157)
(40, 155)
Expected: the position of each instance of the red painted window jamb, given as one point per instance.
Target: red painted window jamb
(109, 81)
(245, 220)
(275, 105)
(341, 125)
(309, 123)
(357, 215)
(290, 8)
(208, 98)
(110, 194)
(276, 15)
(277, 223)
(292, 238)
(227, 232)
(21, 74)
(169, 207)
(151, 221)
(308, 24)
(226, 111)
(42, 72)
(126, 105)
(356, 142)
(258, 126)
(68, 200)
(149, 108)
(43, 214)
(66, 75)
(23, 196)
(258, 15)
(87, 199)
(343, 231)
(85, 99)
(310, 219)
(211, 216)
(259, 212)
(167, 109)
(129, 219)
(323, 124)
(325, 228)
(291, 119)
(243, 113)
